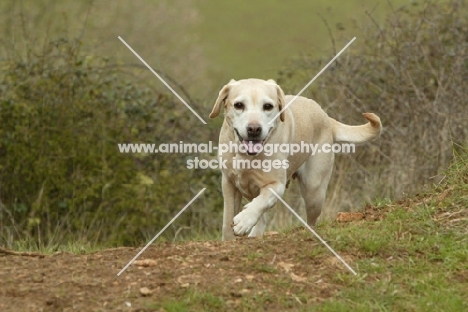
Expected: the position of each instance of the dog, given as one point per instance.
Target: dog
(250, 105)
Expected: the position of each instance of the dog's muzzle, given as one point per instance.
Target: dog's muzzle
(253, 144)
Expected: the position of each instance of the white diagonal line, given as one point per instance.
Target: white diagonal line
(313, 232)
(160, 232)
(162, 80)
(310, 82)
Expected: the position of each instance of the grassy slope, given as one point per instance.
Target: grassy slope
(413, 257)
(254, 38)
(410, 255)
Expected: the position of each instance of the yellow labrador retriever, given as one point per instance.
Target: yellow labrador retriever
(250, 105)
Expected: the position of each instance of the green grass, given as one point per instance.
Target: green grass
(414, 259)
(205, 301)
(74, 247)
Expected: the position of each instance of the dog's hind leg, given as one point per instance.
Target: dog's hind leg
(313, 178)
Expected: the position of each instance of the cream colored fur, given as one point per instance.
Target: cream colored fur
(303, 121)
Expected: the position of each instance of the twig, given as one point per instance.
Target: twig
(330, 33)
(24, 254)
(86, 20)
(297, 299)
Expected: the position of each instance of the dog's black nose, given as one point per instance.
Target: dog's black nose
(254, 130)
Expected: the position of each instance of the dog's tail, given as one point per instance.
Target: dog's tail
(357, 134)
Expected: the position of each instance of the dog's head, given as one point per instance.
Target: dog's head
(250, 105)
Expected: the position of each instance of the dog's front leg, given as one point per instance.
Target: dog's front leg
(232, 204)
(253, 211)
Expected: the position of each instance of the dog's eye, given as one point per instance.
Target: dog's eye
(239, 105)
(268, 107)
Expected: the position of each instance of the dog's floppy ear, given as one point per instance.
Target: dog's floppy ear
(281, 103)
(221, 98)
(280, 95)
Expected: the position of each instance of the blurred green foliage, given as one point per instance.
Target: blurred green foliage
(62, 114)
(412, 71)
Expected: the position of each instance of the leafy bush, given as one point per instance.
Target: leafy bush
(62, 114)
(411, 71)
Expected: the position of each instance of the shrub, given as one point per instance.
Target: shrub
(62, 114)
(411, 71)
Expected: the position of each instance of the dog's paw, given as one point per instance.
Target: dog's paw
(245, 221)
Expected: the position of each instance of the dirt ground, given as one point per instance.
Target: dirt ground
(268, 274)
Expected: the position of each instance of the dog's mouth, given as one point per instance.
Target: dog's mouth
(252, 146)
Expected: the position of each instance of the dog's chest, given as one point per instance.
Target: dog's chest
(248, 182)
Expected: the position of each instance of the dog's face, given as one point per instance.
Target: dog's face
(250, 105)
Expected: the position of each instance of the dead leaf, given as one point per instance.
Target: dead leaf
(144, 291)
(297, 278)
(285, 266)
(193, 279)
(349, 216)
(146, 263)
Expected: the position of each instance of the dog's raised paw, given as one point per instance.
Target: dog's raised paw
(244, 222)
